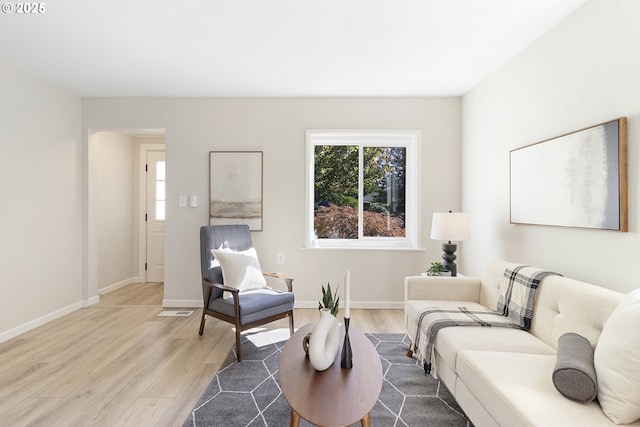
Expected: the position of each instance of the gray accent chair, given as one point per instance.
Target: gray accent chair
(245, 311)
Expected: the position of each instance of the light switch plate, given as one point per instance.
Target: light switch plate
(193, 201)
(182, 201)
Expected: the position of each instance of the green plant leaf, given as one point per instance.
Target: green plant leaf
(336, 307)
(328, 301)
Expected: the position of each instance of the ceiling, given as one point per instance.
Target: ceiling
(273, 47)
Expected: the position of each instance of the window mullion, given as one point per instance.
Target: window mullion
(360, 192)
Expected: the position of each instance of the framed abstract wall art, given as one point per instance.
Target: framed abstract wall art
(235, 188)
(575, 180)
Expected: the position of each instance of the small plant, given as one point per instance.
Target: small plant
(435, 269)
(328, 301)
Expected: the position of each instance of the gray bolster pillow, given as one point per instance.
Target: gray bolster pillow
(574, 374)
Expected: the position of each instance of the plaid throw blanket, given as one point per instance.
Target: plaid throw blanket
(518, 292)
(515, 310)
(433, 319)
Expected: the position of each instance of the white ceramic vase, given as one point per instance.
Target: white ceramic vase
(324, 341)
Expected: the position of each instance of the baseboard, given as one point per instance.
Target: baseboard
(32, 324)
(379, 305)
(116, 286)
(93, 300)
(182, 303)
(367, 305)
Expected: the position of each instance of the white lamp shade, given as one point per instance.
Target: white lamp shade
(450, 226)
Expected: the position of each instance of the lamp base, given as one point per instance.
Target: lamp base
(449, 257)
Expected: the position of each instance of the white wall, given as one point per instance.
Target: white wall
(195, 126)
(115, 184)
(40, 210)
(583, 72)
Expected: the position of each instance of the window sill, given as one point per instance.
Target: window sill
(365, 248)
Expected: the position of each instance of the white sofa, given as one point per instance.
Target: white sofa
(503, 376)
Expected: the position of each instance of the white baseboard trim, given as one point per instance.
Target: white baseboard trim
(379, 305)
(367, 305)
(32, 324)
(93, 300)
(116, 286)
(182, 303)
(87, 302)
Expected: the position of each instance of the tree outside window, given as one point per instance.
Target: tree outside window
(360, 190)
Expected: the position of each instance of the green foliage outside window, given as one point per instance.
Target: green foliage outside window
(336, 185)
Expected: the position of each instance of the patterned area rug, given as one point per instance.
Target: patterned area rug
(248, 394)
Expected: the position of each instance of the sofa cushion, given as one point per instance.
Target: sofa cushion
(450, 341)
(574, 374)
(617, 358)
(516, 390)
(567, 305)
(255, 305)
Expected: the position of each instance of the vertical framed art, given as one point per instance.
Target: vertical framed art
(235, 188)
(575, 180)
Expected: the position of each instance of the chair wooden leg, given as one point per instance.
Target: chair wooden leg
(202, 323)
(238, 343)
(291, 323)
(205, 305)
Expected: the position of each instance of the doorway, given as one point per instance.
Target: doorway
(116, 197)
(154, 216)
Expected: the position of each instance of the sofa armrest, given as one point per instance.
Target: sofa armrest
(442, 288)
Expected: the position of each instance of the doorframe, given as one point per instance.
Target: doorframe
(142, 205)
(89, 274)
(89, 209)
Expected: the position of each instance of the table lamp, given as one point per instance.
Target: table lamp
(450, 226)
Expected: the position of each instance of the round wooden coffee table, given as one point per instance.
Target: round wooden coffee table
(335, 397)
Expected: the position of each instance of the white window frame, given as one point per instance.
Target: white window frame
(410, 139)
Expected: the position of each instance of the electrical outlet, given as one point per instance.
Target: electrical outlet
(280, 258)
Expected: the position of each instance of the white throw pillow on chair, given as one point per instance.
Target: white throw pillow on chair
(240, 270)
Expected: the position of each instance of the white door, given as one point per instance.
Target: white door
(155, 216)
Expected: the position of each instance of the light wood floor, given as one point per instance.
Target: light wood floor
(118, 364)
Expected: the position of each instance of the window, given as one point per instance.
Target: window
(160, 191)
(362, 189)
